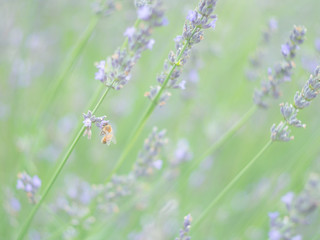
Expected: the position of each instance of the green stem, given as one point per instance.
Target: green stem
(52, 91)
(149, 111)
(68, 64)
(222, 140)
(228, 187)
(58, 171)
(302, 160)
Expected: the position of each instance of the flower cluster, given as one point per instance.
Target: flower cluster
(256, 61)
(197, 20)
(148, 157)
(282, 72)
(100, 122)
(183, 235)
(300, 210)
(302, 99)
(29, 184)
(115, 71)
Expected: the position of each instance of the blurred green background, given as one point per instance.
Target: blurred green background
(37, 37)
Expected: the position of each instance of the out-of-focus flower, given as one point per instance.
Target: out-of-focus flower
(29, 184)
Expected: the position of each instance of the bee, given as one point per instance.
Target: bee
(108, 135)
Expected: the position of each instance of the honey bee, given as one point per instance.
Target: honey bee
(108, 135)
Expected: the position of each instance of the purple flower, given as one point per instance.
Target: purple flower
(100, 74)
(184, 232)
(158, 164)
(212, 24)
(178, 39)
(274, 235)
(36, 181)
(148, 157)
(29, 184)
(129, 32)
(15, 204)
(182, 85)
(273, 24)
(101, 65)
(165, 21)
(273, 215)
(87, 122)
(28, 188)
(150, 44)
(20, 184)
(193, 76)
(144, 13)
(285, 49)
(192, 16)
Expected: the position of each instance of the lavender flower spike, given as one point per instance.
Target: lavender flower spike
(115, 71)
(300, 212)
(183, 235)
(302, 99)
(148, 158)
(197, 20)
(282, 71)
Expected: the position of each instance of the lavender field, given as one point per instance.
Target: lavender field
(158, 119)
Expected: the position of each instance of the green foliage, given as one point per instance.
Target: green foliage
(40, 118)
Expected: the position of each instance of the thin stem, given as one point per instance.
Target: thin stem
(222, 140)
(302, 160)
(52, 91)
(229, 186)
(58, 171)
(149, 111)
(68, 64)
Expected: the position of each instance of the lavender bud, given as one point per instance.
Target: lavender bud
(183, 233)
(290, 115)
(280, 133)
(282, 71)
(148, 157)
(144, 12)
(285, 49)
(287, 199)
(273, 24)
(299, 101)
